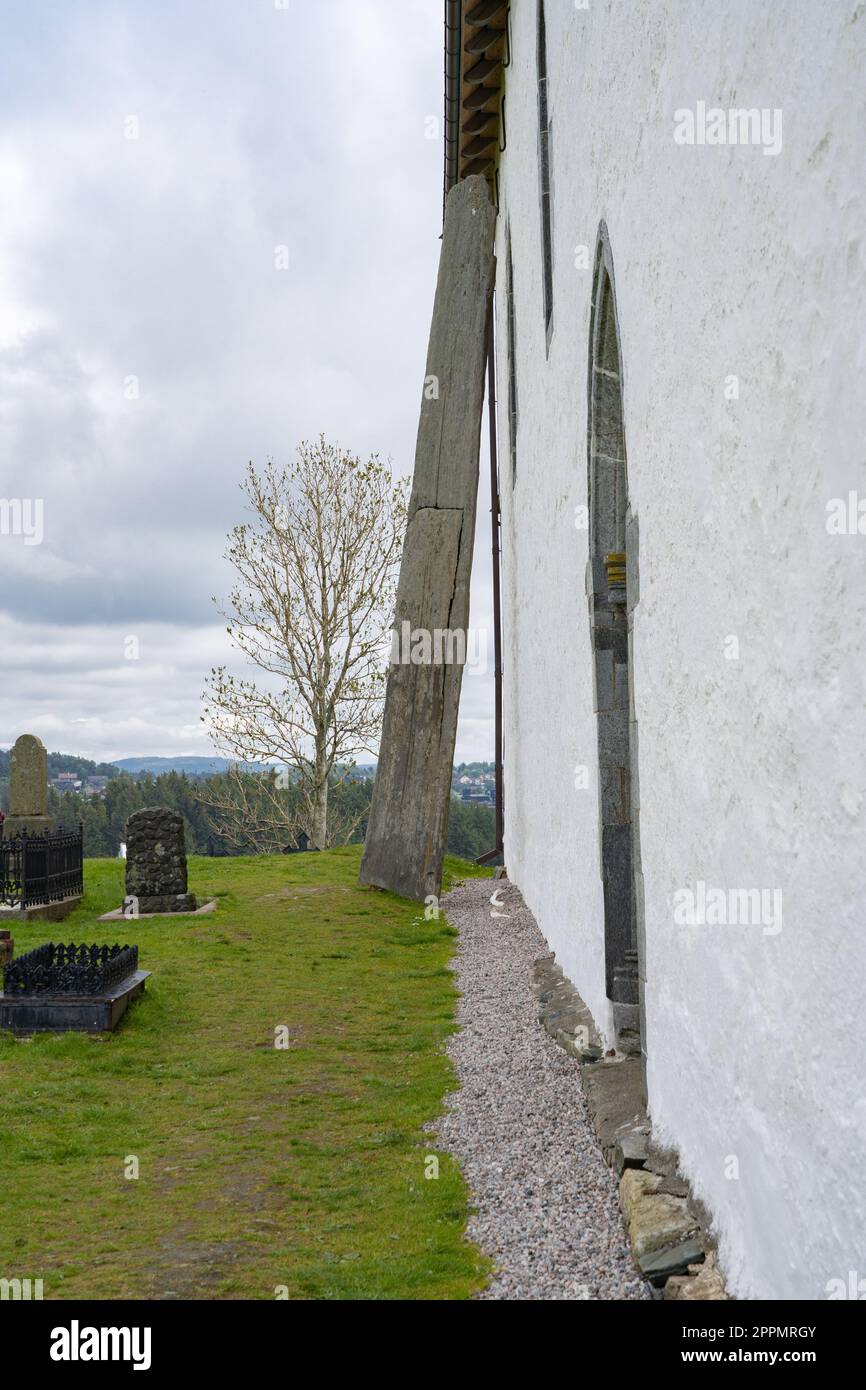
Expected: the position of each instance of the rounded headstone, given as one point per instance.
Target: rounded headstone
(28, 788)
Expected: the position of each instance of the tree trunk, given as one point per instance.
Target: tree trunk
(319, 829)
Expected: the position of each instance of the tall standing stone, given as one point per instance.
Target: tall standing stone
(28, 788)
(408, 819)
(156, 862)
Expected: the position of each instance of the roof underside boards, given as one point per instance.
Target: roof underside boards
(476, 54)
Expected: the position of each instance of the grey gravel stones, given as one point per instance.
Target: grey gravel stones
(545, 1203)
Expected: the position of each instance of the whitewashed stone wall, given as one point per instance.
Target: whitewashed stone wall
(729, 262)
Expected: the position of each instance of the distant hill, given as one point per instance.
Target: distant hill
(66, 762)
(196, 767)
(203, 767)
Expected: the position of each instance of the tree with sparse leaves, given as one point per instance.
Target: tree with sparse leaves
(316, 571)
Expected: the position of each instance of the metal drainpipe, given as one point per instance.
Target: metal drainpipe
(499, 848)
(497, 615)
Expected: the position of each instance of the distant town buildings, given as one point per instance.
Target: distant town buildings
(85, 786)
(65, 782)
(476, 784)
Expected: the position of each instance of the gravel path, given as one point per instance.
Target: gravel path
(546, 1209)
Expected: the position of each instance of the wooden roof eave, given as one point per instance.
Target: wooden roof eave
(476, 54)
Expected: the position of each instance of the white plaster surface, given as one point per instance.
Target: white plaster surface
(752, 770)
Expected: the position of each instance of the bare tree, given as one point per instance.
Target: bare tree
(316, 571)
(263, 813)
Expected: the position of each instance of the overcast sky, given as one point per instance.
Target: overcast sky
(149, 345)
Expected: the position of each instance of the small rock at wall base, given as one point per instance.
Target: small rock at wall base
(703, 1282)
(631, 1151)
(675, 1259)
(584, 1052)
(654, 1222)
(628, 1041)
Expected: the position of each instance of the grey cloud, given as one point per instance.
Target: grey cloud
(154, 258)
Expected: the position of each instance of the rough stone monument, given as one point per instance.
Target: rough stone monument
(156, 862)
(28, 788)
(408, 820)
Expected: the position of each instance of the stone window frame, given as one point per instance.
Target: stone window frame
(614, 527)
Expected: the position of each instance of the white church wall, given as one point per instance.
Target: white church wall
(749, 670)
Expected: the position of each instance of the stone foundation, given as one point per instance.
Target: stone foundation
(26, 825)
(667, 1228)
(44, 912)
(168, 902)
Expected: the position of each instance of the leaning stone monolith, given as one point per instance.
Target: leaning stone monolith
(408, 820)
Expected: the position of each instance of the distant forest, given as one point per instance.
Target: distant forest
(471, 829)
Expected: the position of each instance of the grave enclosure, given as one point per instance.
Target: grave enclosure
(61, 988)
(41, 868)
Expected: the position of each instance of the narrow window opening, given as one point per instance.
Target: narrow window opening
(544, 142)
(613, 595)
(512, 360)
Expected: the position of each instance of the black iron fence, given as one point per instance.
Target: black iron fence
(40, 869)
(58, 968)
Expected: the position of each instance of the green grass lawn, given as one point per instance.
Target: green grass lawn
(259, 1167)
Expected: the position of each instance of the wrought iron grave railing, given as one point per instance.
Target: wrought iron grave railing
(38, 869)
(69, 969)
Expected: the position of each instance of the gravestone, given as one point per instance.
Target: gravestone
(156, 862)
(28, 788)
